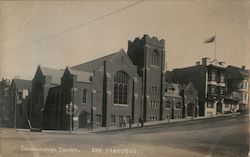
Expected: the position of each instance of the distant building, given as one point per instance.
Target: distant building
(181, 101)
(18, 95)
(209, 79)
(238, 83)
(4, 112)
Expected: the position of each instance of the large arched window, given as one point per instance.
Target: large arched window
(120, 88)
(155, 58)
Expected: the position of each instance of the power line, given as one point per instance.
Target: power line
(227, 17)
(77, 26)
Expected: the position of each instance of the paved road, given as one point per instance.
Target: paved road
(227, 137)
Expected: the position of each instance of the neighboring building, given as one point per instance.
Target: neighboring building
(180, 101)
(4, 112)
(231, 101)
(19, 92)
(44, 79)
(237, 82)
(209, 79)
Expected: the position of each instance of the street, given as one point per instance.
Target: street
(224, 137)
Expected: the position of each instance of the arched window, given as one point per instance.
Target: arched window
(120, 88)
(168, 104)
(178, 105)
(155, 58)
(84, 96)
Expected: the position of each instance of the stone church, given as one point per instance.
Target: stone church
(117, 88)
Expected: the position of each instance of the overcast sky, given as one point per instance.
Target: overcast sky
(66, 33)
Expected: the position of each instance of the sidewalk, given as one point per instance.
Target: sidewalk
(157, 123)
(133, 126)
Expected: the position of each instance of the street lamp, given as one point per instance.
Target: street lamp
(69, 111)
(93, 108)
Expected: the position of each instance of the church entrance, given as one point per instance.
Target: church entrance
(83, 117)
(190, 109)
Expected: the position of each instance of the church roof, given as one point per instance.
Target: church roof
(96, 63)
(82, 76)
(56, 74)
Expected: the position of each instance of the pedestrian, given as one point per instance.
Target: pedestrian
(124, 123)
(88, 123)
(141, 121)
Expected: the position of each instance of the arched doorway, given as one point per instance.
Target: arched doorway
(83, 117)
(219, 107)
(190, 109)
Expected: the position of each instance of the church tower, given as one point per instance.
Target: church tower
(148, 54)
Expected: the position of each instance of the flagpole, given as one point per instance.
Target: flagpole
(211, 39)
(215, 47)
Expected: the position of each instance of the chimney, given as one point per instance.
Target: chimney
(198, 63)
(243, 67)
(205, 60)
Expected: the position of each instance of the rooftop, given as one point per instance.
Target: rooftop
(56, 74)
(22, 84)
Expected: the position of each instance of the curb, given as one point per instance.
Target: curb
(169, 123)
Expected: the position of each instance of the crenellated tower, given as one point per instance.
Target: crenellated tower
(148, 54)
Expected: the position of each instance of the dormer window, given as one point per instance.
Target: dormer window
(20, 95)
(171, 90)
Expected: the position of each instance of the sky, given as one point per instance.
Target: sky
(57, 34)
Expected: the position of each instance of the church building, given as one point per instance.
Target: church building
(112, 90)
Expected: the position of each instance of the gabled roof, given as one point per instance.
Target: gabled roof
(95, 64)
(82, 76)
(22, 84)
(56, 74)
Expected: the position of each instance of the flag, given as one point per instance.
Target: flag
(210, 40)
